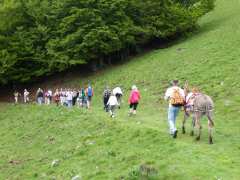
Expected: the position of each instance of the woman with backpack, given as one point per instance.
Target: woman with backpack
(134, 100)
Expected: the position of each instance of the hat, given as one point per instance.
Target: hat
(134, 87)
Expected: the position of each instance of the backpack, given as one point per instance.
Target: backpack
(90, 91)
(107, 94)
(176, 99)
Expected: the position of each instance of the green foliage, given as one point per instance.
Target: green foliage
(44, 36)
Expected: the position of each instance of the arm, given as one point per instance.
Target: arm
(167, 94)
(130, 97)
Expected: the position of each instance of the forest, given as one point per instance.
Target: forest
(42, 37)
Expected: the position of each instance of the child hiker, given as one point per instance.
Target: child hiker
(134, 100)
(112, 105)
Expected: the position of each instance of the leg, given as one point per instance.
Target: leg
(176, 111)
(135, 108)
(111, 111)
(197, 125)
(193, 124)
(186, 115)
(210, 127)
(171, 120)
(130, 109)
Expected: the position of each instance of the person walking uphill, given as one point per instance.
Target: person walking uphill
(89, 94)
(106, 96)
(39, 96)
(112, 104)
(175, 96)
(134, 100)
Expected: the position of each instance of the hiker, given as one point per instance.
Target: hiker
(112, 104)
(46, 97)
(79, 99)
(106, 96)
(26, 96)
(82, 98)
(57, 97)
(39, 96)
(50, 94)
(16, 96)
(75, 96)
(69, 97)
(134, 100)
(188, 106)
(118, 93)
(89, 94)
(62, 97)
(175, 95)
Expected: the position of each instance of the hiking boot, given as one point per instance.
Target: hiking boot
(175, 134)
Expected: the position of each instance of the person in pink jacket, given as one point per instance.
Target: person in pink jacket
(134, 100)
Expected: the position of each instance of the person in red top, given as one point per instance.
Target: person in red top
(57, 97)
(134, 100)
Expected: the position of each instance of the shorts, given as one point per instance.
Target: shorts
(89, 98)
(134, 106)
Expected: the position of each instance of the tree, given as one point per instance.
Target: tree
(40, 37)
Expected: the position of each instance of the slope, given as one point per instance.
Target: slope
(93, 146)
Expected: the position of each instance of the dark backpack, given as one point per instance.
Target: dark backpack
(107, 94)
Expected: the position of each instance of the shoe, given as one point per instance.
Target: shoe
(175, 134)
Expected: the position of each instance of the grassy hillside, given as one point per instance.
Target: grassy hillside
(93, 146)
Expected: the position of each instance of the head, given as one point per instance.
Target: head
(175, 82)
(134, 87)
(195, 90)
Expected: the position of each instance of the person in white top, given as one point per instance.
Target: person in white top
(16, 96)
(117, 91)
(50, 94)
(112, 104)
(26, 96)
(176, 97)
(69, 98)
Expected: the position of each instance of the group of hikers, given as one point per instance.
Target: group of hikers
(193, 102)
(63, 97)
(82, 98)
(112, 100)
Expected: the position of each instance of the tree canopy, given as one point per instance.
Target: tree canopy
(40, 37)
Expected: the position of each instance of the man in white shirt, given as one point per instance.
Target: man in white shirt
(173, 108)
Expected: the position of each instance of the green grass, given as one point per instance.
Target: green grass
(90, 144)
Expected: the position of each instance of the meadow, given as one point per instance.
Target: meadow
(88, 144)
